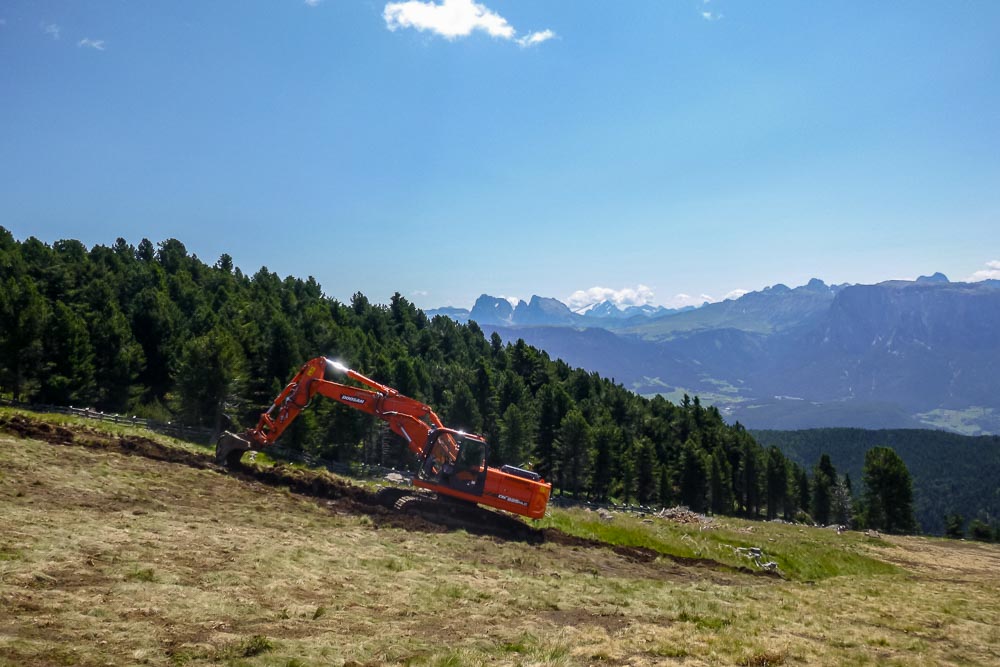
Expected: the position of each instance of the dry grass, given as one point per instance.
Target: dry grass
(112, 559)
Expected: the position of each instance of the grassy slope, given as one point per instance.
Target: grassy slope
(106, 558)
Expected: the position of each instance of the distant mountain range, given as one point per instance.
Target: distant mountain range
(542, 311)
(898, 354)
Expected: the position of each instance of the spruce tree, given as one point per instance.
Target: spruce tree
(888, 492)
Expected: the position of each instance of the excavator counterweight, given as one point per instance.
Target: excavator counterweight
(452, 463)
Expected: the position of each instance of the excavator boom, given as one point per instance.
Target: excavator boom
(452, 463)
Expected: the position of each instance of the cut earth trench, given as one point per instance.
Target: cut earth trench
(336, 494)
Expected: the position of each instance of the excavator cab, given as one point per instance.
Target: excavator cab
(455, 460)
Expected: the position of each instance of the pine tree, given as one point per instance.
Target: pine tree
(23, 314)
(888, 492)
(553, 404)
(573, 444)
(721, 484)
(645, 471)
(693, 477)
(607, 441)
(823, 485)
(68, 359)
(208, 377)
(514, 437)
(776, 481)
(954, 526)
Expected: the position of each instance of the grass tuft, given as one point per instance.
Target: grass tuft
(705, 622)
(255, 645)
(142, 574)
(764, 659)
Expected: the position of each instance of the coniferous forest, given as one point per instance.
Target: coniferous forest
(154, 331)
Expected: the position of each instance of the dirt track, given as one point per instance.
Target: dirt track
(338, 495)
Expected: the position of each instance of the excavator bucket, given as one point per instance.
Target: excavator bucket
(229, 449)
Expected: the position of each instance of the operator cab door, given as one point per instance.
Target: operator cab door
(456, 461)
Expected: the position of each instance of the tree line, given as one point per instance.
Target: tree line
(955, 477)
(156, 332)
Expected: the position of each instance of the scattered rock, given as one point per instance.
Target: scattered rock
(756, 554)
(683, 515)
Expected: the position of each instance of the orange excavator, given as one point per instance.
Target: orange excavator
(452, 463)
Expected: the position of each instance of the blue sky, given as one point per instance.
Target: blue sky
(648, 149)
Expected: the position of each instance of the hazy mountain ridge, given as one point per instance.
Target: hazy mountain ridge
(897, 354)
(544, 311)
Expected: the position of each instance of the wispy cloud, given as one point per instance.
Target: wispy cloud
(512, 300)
(536, 38)
(681, 300)
(52, 30)
(313, 3)
(735, 294)
(991, 272)
(452, 19)
(639, 295)
(97, 44)
(708, 14)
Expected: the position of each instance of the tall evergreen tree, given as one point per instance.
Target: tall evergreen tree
(804, 500)
(645, 471)
(750, 477)
(693, 477)
(573, 443)
(23, 314)
(68, 359)
(721, 483)
(208, 378)
(888, 492)
(607, 441)
(777, 482)
(823, 486)
(515, 437)
(553, 404)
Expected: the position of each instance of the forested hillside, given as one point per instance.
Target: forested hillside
(155, 331)
(952, 474)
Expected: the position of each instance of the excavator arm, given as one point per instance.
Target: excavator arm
(407, 417)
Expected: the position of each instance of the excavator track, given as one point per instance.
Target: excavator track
(459, 515)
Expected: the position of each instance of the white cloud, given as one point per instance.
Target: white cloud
(452, 19)
(97, 44)
(735, 294)
(639, 295)
(512, 300)
(712, 16)
(682, 300)
(536, 38)
(313, 3)
(52, 30)
(992, 271)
